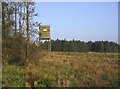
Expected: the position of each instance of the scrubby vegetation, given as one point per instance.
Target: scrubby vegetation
(58, 69)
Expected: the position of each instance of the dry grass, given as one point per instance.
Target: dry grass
(69, 70)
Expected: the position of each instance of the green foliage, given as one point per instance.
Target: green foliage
(65, 70)
(42, 83)
(13, 77)
(81, 46)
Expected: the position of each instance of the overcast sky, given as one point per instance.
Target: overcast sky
(83, 21)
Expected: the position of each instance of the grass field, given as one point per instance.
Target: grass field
(57, 69)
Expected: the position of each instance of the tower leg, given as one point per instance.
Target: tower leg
(49, 45)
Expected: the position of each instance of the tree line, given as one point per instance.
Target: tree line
(81, 46)
(18, 31)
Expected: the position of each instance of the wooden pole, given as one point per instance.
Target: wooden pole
(49, 44)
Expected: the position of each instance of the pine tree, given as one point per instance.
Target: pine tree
(107, 47)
